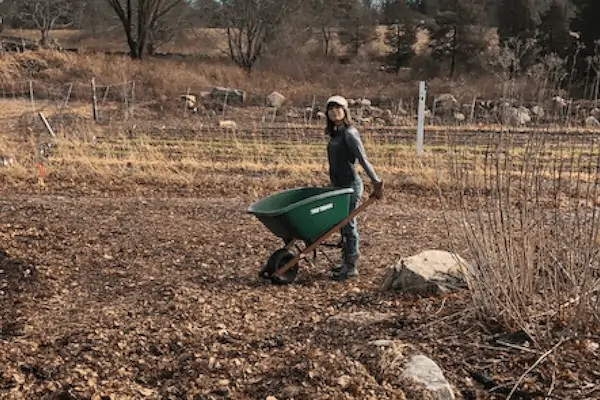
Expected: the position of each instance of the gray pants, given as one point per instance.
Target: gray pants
(350, 251)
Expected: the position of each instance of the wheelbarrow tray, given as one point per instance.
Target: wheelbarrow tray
(303, 213)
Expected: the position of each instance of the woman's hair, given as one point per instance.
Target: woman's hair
(330, 124)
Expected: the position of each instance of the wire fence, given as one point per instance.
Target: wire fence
(101, 100)
(222, 121)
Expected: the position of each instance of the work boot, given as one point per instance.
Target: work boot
(338, 267)
(352, 270)
(347, 271)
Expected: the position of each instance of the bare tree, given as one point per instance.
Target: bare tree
(47, 15)
(165, 30)
(358, 26)
(96, 17)
(251, 25)
(139, 18)
(326, 20)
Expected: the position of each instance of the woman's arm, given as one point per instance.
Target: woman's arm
(356, 147)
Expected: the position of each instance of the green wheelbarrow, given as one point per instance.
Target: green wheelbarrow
(308, 215)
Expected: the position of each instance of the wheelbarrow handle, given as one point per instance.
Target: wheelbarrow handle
(317, 242)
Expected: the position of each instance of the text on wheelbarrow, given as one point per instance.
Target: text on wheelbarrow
(322, 208)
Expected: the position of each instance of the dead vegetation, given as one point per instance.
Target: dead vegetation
(128, 270)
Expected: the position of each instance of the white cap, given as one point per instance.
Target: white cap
(338, 100)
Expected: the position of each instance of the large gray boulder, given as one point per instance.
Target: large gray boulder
(402, 366)
(445, 102)
(429, 272)
(516, 116)
(424, 379)
(232, 95)
(592, 122)
(275, 99)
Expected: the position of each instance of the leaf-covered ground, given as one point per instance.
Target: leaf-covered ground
(157, 297)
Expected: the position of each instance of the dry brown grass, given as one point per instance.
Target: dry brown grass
(299, 75)
(298, 79)
(197, 163)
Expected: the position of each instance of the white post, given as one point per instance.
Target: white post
(421, 118)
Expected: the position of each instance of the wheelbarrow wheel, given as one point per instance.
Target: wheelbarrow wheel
(277, 260)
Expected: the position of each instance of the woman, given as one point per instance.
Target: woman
(343, 149)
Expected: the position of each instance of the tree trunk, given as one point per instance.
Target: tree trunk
(326, 40)
(45, 40)
(454, 48)
(133, 51)
(150, 49)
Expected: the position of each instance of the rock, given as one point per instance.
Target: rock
(559, 103)
(227, 124)
(321, 115)
(445, 101)
(460, 117)
(425, 380)
(538, 111)
(375, 112)
(515, 116)
(293, 113)
(361, 317)
(232, 95)
(6, 161)
(365, 120)
(275, 99)
(595, 113)
(591, 346)
(189, 98)
(592, 122)
(388, 116)
(291, 392)
(190, 101)
(445, 98)
(429, 272)
(344, 381)
(351, 102)
(401, 366)
(524, 110)
(364, 102)
(427, 114)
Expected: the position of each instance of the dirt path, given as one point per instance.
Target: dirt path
(159, 298)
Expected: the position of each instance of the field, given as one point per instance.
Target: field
(128, 262)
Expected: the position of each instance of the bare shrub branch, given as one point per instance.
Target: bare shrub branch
(529, 215)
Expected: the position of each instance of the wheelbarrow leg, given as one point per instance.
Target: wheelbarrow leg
(294, 261)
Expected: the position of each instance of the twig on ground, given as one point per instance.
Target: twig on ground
(517, 347)
(441, 307)
(535, 364)
(552, 384)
